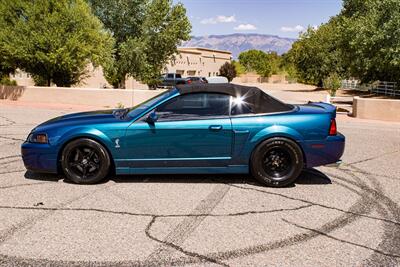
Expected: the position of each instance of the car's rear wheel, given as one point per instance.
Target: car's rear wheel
(85, 161)
(277, 162)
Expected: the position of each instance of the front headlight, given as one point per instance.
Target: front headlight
(40, 138)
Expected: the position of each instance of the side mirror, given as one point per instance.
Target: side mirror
(152, 118)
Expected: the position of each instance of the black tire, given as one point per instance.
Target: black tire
(277, 162)
(85, 161)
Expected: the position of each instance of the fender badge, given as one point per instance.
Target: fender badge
(117, 143)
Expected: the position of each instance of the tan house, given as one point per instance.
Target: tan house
(198, 61)
(189, 61)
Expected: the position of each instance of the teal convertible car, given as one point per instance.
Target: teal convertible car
(192, 129)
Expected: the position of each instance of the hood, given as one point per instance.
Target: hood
(86, 118)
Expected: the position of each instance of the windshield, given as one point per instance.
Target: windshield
(138, 109)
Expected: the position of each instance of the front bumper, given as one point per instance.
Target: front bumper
(325, 152)
(39, 157)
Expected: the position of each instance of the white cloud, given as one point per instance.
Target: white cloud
(219, 19)
(297, 28)
(245, 27)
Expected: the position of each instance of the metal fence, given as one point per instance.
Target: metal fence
(386, 88)
(350, 84)
(380, 88)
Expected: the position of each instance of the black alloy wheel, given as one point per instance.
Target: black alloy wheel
(277, 162)
(85, 161)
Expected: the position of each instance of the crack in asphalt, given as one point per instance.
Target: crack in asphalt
(178, 248)
(32, 220)
(12, 138)
(10, 157)
(9, 122)
(152, 215)
(370, 173)
(391, 238)
(7, 166)
(360, 208)
(378, 205)
(317, 204)
(8, 162)
(9, 143)
(13, 171)
(340, 240)
(186, 227)
(23, 185)
(372, 158)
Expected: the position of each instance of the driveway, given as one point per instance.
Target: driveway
(331, 216)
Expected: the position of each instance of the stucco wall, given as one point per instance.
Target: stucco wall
(376, 109)
(255, 78)
(82, 96)
(197, 61)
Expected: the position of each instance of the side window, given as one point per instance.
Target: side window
(170, 76)
(257, 104)
(242, 108)
(194, 106)
(243, 105)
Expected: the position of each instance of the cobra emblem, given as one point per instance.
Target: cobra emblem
(117, 143)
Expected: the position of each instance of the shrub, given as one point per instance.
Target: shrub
(6, 81)
(120, 105)
(333, 83)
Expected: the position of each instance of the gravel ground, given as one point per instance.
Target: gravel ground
(331, 216)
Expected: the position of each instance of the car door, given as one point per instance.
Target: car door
(192, 130)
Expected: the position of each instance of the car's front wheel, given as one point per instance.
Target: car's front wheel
(85, 161)
(277, 162)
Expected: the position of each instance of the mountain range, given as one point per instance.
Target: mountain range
(238, 42)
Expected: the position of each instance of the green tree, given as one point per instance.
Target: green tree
(256, 60)
(5, 68)
(238, 67)
(362, 42)
(6, 64)
(288, 68)
(228, 70)
(275, 62)
(315, 55)
(54, 40)
(370, 42)
(147, 33)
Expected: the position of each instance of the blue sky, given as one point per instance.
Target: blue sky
(278, 17)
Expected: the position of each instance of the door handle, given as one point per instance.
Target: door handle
(215, 127)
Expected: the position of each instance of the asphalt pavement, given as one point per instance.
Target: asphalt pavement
(346, 216)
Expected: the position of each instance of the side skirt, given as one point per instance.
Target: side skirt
(185, 170)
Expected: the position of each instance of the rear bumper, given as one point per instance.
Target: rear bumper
(325, 152)
(334, 165)
(39, 157)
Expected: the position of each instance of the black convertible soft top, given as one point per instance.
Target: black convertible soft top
(257, 101)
